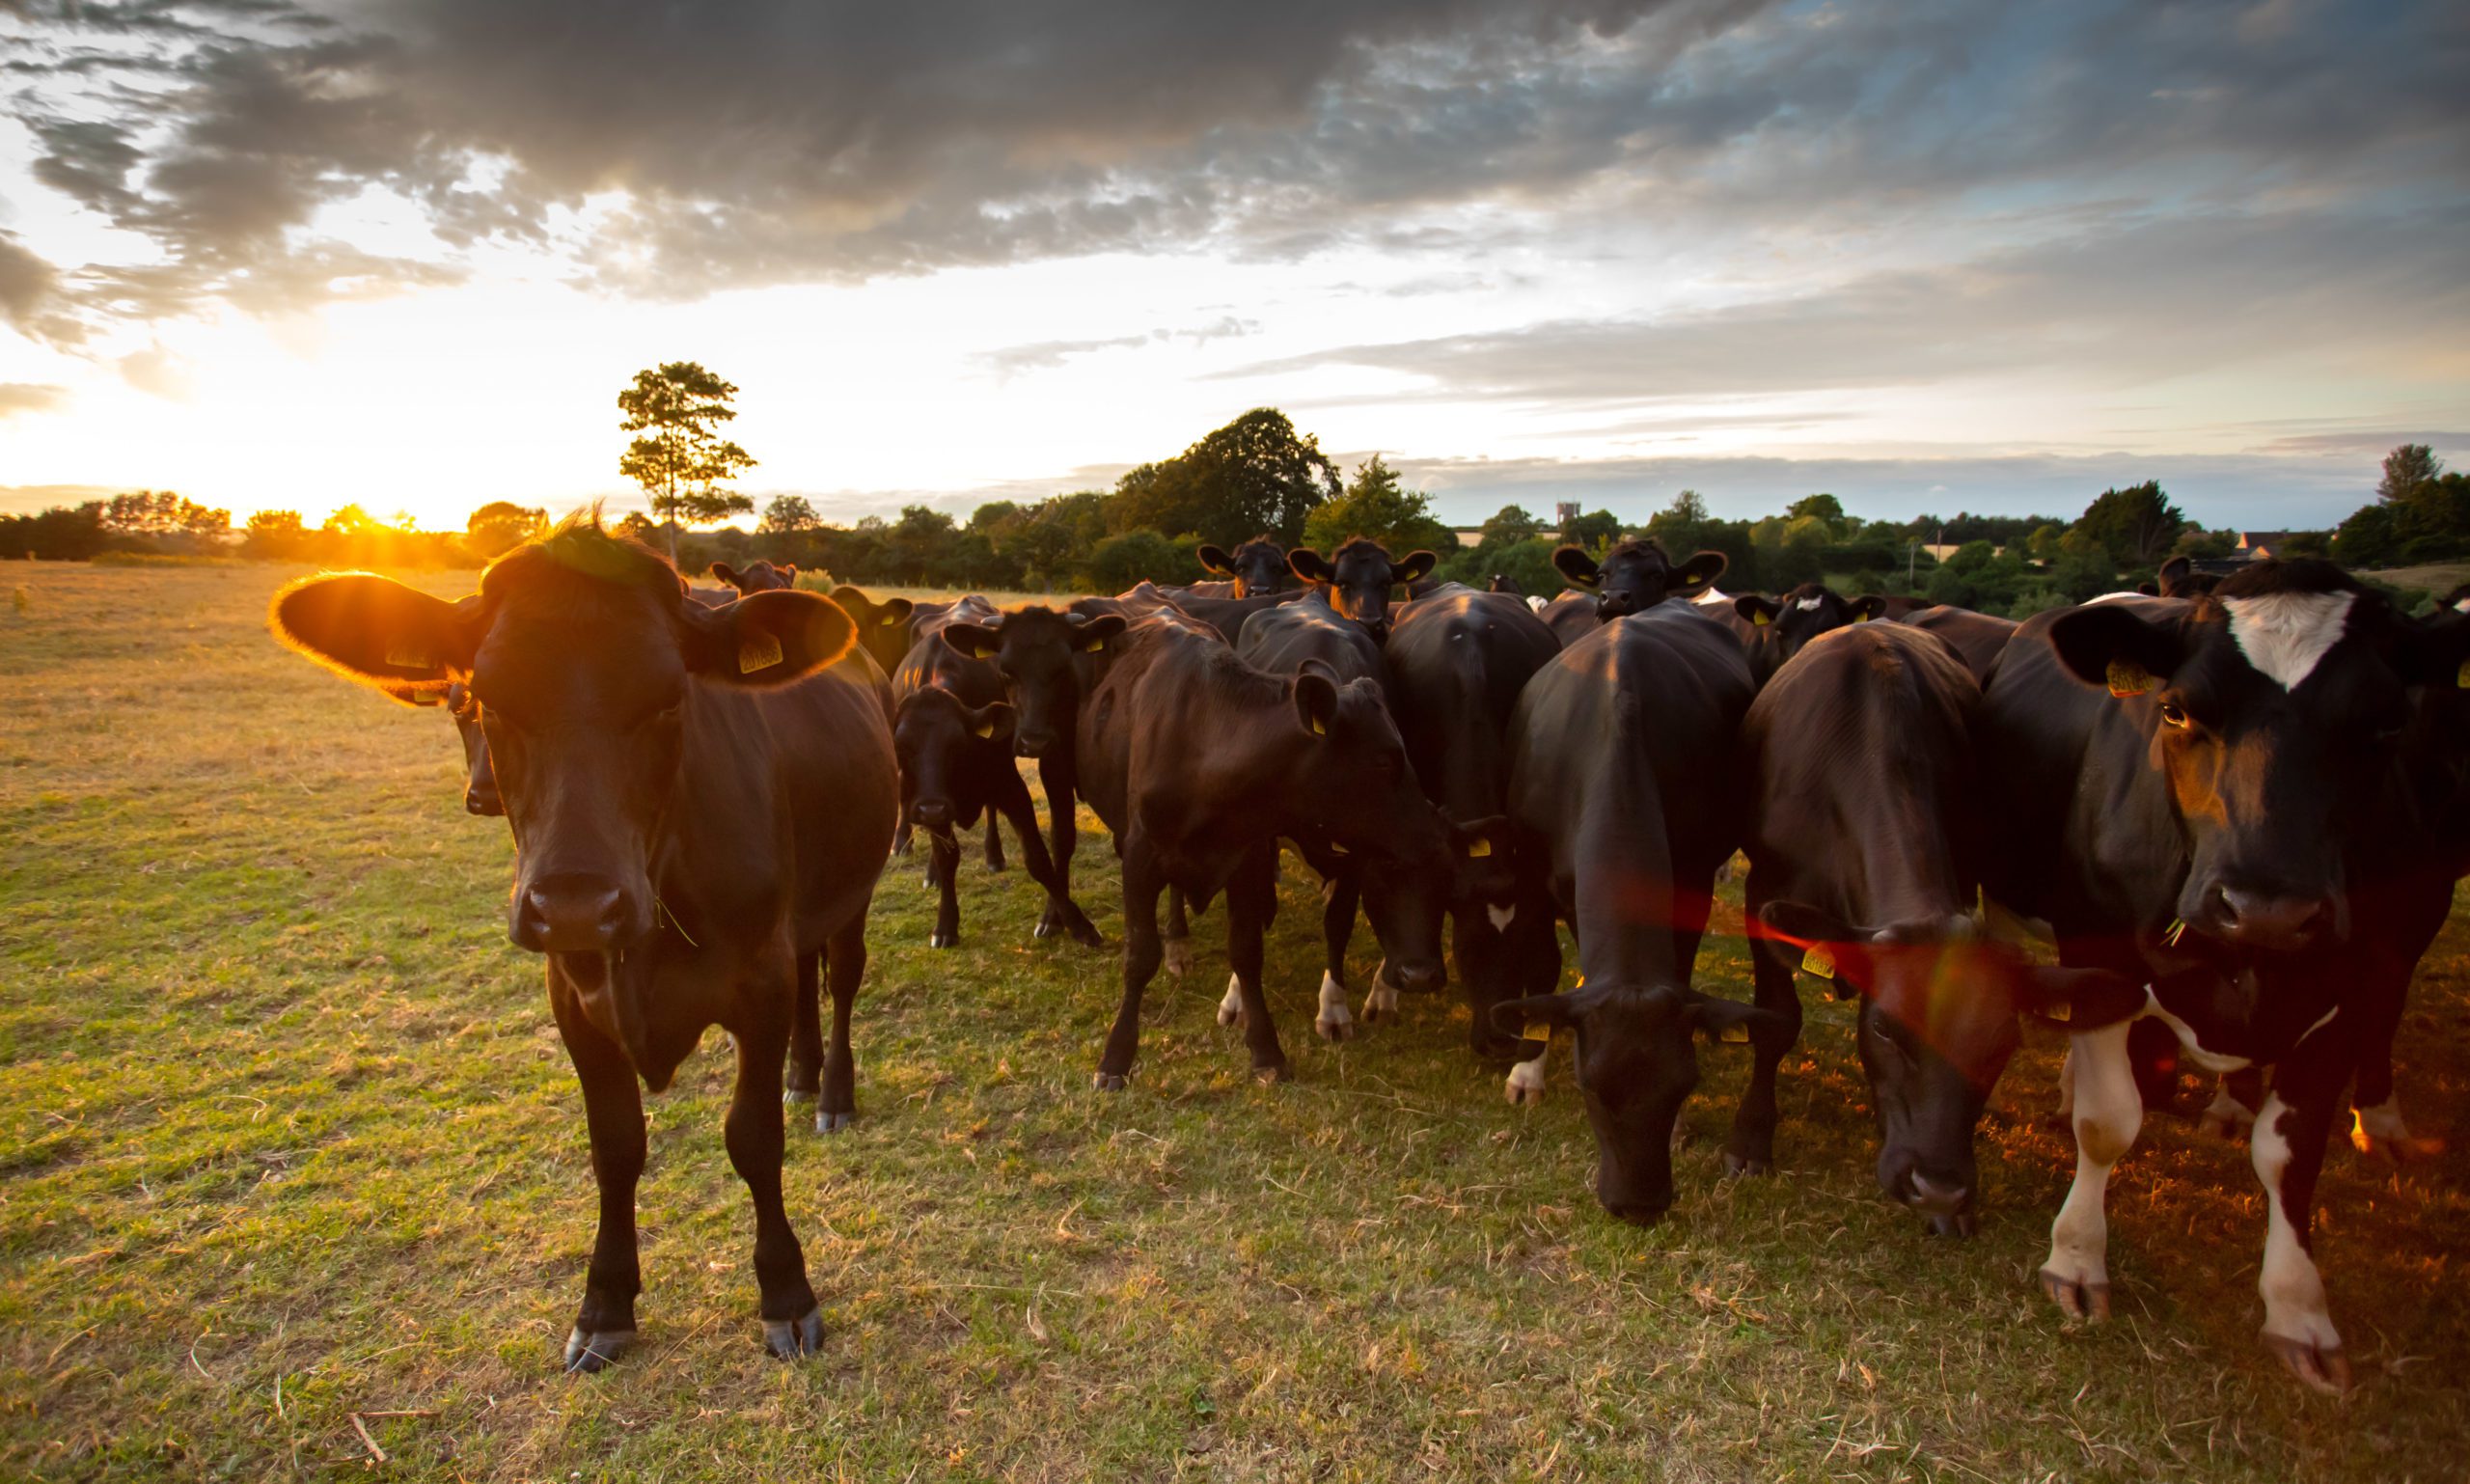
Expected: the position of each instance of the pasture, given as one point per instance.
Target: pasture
(294, 1172)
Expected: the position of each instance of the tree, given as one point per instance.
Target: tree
(1376, 504)
(680, 460)
(1596, 531)
(2043, 543)
(2135, 525)
(789, 515)
(501, 525)
(2407, 467)
(1255, 474)
(1826, 508)
(275, 535)
(151, 512)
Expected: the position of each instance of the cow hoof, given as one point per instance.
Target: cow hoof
(1742, 1164)
(2076, 1297)
(1957, 1225)
(834, 1122)
(795, 1098)
(1380, 1003)
(1046, 927)
(1271, 1075)
(1335, 1030)
(587, 1353)
(2379, 1133)
(1524, 1086)
(1230, 1009)
(2226, 1117)
(1109, 1082)
(2324, 1369)
(1084, 931)
(1179, 957)
(943, 939)
(794, 1339)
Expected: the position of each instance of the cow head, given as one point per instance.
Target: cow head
(1503, 582)
(757, 576)
(1258, 565)
(1636, 575)
(938, 738)
(480, 778)
(1357, 578)
(883, 628)
(587, 663)
(1638, 1063)
(1350, 781)
(1938, 1023)
(2273, 708)
(1780, 626)
(2179, 578)
(1045, 660)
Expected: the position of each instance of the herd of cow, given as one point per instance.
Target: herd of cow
(2236, 812)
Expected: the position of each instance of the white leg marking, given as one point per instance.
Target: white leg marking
(1230, 1010)
(2293, 1291)
(1526, 1078)
(2108, 1113)
(2381, 1131)
(2224, 1116)
(1380, 1001)
(1333, 1021)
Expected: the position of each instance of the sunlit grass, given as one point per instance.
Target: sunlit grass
(286, 1134)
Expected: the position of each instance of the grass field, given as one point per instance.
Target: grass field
(289, 1150)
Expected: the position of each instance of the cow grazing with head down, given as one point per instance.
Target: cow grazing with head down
(698, 818)
(1198, 761)
(757, 576)
(1253, 569)
(1634, 576)
(1775, 628)
(1356, 579)
(2198, 794)
(1865, 842)
(1625, 796)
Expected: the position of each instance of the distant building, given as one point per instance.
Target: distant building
(2257, 545)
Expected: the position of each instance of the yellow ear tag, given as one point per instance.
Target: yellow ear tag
(889, 620)
(758, 650)
(1538, 1031)
(2461, 676)
(1736, 1033)
(2129, 678)
(1093, 644)
(1819, 961)
(1319, 729)
(411, 658)
(2062, 1011)
(1861, 617)
(1479, 848)
(1760, 618)
(986, 728)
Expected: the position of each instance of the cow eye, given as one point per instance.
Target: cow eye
(2174, 715)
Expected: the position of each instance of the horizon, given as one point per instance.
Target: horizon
(298, 257)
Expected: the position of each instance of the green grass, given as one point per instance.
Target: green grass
(286, 1136)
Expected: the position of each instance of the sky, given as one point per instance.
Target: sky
(1930, 257)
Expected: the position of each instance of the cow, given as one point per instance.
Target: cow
(1865, 841)
(1625, 795)
(1197, 762)
(1229, 615)
(1978, 639)
(1048, 662)
(1634, 576)
(757, 576)
(953, 733)
(2209, 827)
(1257, 567)
(883, 627)
(2179, 578)
(1774, 629)
(698, 817)
(1458, 663)
(1356, 579)
(1503, 582)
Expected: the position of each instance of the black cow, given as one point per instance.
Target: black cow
(1196, 761)
(1048, 662)
(757, 576)
(1458, 663)
(1257, 567)
(2211, 827)
(1626, 795)
(1229, 615)
(1978, 639)
(698, 817)
(2179, 578)
(1865, 841)
(1776, 628)
(1503, 582)
(883, 628)
(1634, 576)
(1356, 579)
(953, 732)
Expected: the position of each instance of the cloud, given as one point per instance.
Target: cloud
(17, 396)
(1047, 355)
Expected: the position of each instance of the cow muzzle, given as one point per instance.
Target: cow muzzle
(931, 814)
(570, 914)
(2261, 919)
(1033, 744)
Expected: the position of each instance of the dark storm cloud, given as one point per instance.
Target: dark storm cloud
(765, 143)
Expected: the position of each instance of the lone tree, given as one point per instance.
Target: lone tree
(680, 458)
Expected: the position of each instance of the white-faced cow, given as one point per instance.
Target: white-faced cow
(698, 818)
(1625, 796)
(1356, 579)
(1634, 576)
(1865, 841)
(2204, 795)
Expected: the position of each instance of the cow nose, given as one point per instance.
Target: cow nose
(1419, 977)
(1033, 744)
(1614, 605)
(2255, 919)
(1638, 1213)
(1935, 1196)
(930, 814)
(474, 802)
(569, 914)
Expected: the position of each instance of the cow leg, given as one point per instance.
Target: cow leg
(1338, 900)
(2232, 1113)
(944, 868)
(1534, 951)
(1062, 912)
(1178, 941)
(2378, 1128)
(1057, 777)
(2287, 1152)
(1751, 1148)
(805, 1032)
(613, 1106)
(1480, 954)
(844, 966)
(900, 837)
(792, 1326)
(2109, 1111)
(1141, 954)
(1250, 897)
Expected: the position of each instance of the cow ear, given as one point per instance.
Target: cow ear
(1214, 559)
(1316, 702)
(1310, 565)
(726, 573)
(1414, 567)
(2077, 998)
(1576, 567)
(377, 632)
(1516, 1017)
(2175, 568)
(766, 639)
(893, 610)
(1866, 607)
(412, 696)
(1696, 575)
(991, 721)
(2103, 643)
(1757, 610)
(1729, 1022)
(1814, 942)
(971, 641)
(1094, 634)
(1479, 837)
(789, 569)
(2436, 653)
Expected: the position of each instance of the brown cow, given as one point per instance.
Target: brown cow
(698, 817)
(757, 576)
